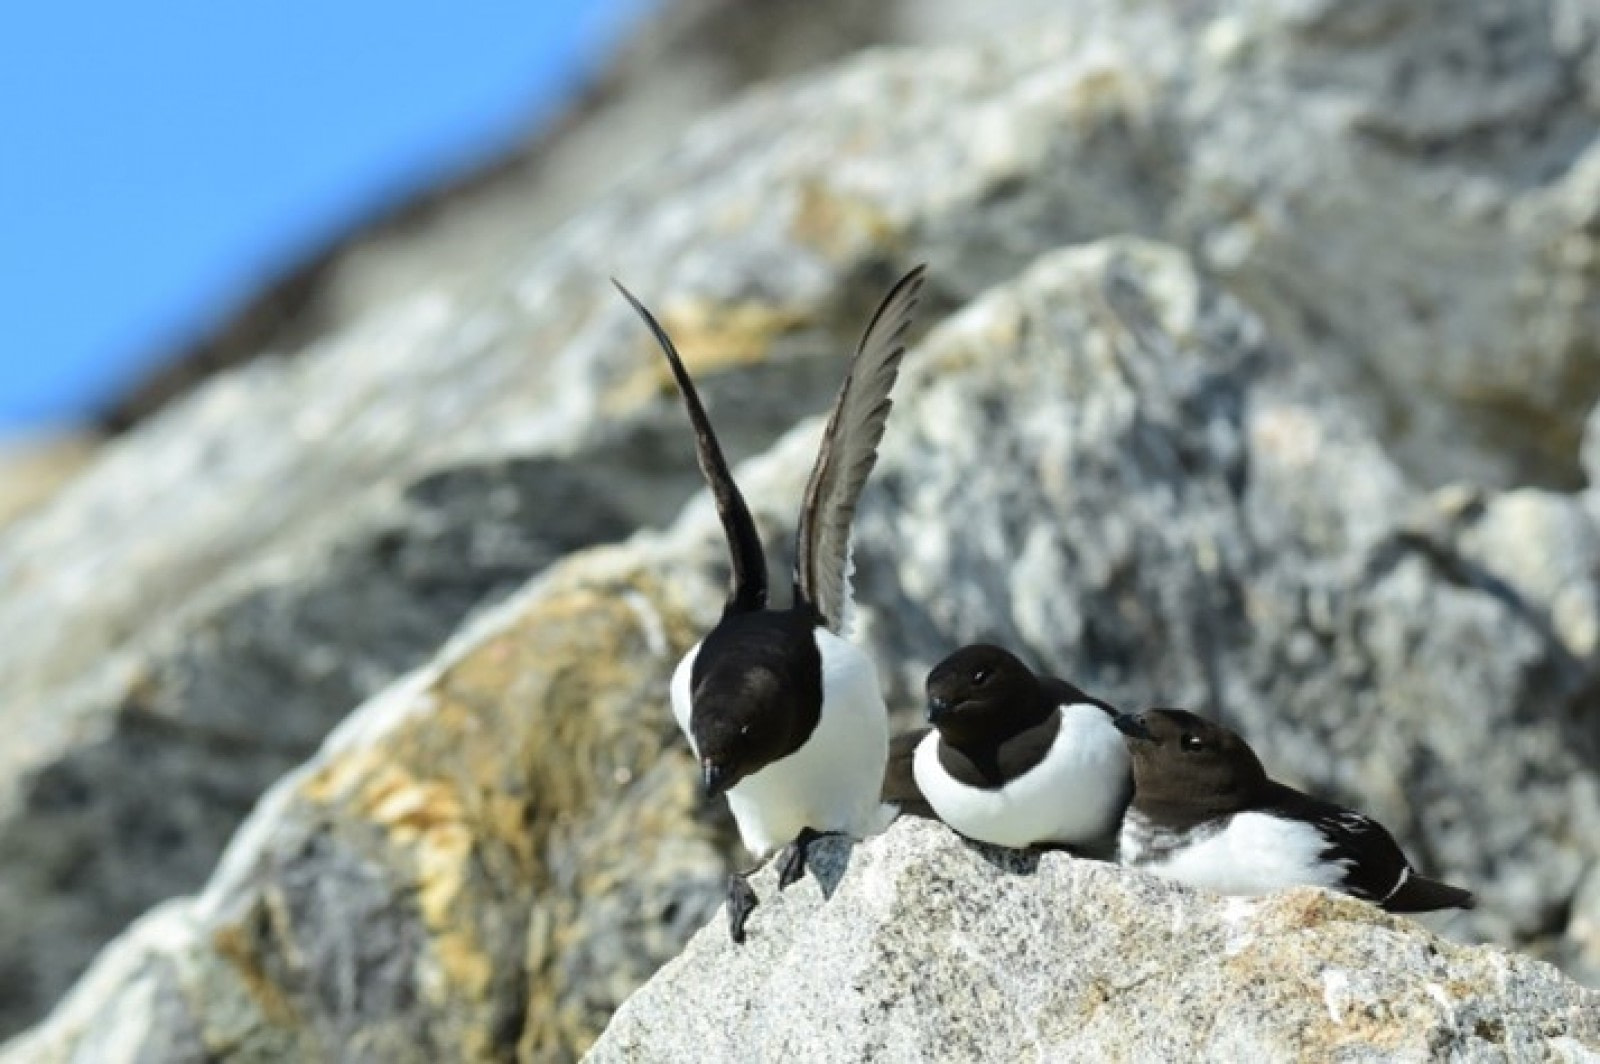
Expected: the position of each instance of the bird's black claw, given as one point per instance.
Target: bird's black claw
(741, 901)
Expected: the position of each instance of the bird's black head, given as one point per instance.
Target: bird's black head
(741, 724)
(983, 692)
(1184, 762)
(756, 695)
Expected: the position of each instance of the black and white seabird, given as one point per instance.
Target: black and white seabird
(1017, 759)
(1205, 813)
(784, 714)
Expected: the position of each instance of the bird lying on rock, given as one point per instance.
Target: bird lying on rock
(1205, 813)
(1018, 759)
(783, 713)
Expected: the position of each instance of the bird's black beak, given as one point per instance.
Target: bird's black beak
(1133, 727)
(937, 708)
(714, 778)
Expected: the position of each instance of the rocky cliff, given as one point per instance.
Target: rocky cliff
(917, 946)
(1260, 344)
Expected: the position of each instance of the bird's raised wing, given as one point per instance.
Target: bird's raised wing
(747, 584)
(849, 449)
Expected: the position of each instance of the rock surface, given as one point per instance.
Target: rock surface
(407, 895)
(1211, 469)
(32, 468)
(918, 946)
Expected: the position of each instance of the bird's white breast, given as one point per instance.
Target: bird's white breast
(1254, 853)
(1072, 797)
(833, 781)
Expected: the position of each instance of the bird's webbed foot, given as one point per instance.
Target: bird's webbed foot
(792, 862)
(741, 902)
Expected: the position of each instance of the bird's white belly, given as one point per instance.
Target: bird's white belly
(1254, 854)
(833, 781)
(1072, 797)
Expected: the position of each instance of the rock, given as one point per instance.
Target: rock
(918, 946)
(406, 894)
(33, 467)
(127, 787)
(1583, 931)
(1211, 469)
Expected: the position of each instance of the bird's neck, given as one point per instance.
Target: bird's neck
(1180, 813)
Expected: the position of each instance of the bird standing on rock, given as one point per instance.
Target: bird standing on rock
(1017, 759)
(1205, 813)
(784, 714)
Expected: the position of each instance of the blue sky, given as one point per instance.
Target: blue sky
(159, 160)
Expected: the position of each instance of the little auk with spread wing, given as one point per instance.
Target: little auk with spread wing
(1205, 813)
(783, 713)
(1016, 759)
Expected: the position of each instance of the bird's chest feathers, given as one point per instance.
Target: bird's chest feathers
(1245, 853)
(1143, 842)
(1069, 794)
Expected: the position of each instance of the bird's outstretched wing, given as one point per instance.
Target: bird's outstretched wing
(844, 461)
(747, 585)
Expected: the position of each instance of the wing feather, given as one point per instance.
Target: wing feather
(747, 583)
(823, 564)
(1371, 860)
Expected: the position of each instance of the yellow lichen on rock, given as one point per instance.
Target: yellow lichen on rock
(710, 337)
(838, 224)
(540, 759)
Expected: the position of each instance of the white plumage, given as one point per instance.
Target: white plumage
(1071, 797)
(1254, 853)
(833, 781)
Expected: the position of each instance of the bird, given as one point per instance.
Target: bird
(783, 713)
(1018, 759)
(900, 780)
(1205, 813)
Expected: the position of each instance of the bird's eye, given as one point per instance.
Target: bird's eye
(1191, 743)
(981, 676)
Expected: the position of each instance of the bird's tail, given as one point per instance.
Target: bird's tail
(1419, 894)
